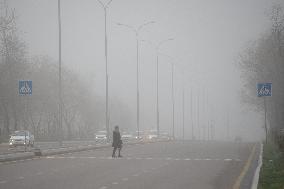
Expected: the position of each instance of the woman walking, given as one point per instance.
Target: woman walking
(117, 142)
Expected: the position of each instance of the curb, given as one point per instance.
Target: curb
(16, 156)
(257, 170)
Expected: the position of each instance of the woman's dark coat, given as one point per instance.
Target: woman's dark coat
(117, 142)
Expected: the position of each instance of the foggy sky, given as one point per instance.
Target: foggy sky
(208, 37)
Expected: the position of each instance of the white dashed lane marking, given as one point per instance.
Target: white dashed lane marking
(39, 173)
(103, 187)
(3, 181)
(125, 179)
(115, 183)
(144, 158)
(227, 159)
(21, 178)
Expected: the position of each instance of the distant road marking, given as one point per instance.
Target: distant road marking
(187, 159)
(39, 173)
(149, 158)
(227, 159)
(135, 175)
(3, 181)
(21, 178)
(245, 169)
(125, 179)
(103, 187)
(177, 159)
(55, 170)
(115, 183)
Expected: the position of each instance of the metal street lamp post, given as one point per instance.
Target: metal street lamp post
(60, 75)
(157, 62)
(105, 7)
(173, 96)
(136, 31)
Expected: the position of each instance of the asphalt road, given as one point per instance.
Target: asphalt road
(6, 149)
(162, 165)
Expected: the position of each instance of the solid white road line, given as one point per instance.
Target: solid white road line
(125, 179)
(256, 174)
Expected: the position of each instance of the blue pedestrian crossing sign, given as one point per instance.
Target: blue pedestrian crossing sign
(264, 89)
(25, 87)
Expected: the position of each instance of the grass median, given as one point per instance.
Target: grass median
(272, 171)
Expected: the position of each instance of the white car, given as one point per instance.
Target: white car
(101, 137)
(126, 137)
(21, 138)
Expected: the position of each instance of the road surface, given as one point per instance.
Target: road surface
(6, 149)
(162, 165)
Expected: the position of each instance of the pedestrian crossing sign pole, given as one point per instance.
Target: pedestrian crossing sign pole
(264, 90)
(25, 88)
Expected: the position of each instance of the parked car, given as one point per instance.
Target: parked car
(21, 138)
(101, 136)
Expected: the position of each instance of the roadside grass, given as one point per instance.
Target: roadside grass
(272, 171)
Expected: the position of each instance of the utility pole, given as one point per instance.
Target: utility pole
(157, 80)
(191, 112)
(198, 121)
(265, 119)
(183, 112)
(173, 102)
(228, 125)
(60, 76)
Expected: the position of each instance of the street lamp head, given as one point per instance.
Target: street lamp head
(162, 42)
